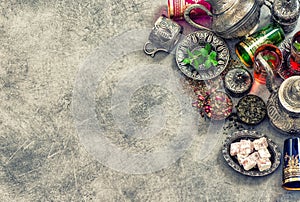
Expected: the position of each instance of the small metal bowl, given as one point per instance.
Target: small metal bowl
(251, 109)
(238, 82)
(196, 40)
(218, 106)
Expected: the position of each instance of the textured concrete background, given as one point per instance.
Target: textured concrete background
(43, 45)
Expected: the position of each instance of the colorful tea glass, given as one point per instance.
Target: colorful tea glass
(295, 54)
(266, 56)
(270, 34)
(176, 10)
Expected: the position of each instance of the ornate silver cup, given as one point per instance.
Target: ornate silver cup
(163, 37)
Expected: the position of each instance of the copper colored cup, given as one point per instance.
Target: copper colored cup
(176, 8)
(261, 66)
(163, 37)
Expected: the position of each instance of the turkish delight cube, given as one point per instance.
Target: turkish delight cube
(241, 158)
(264, 153)
(246, 147)
(254, 156)
(260, 143)
(234, 148)
(248, 163)
(263, 164)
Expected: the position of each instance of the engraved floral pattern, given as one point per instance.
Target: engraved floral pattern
(280, 118)
(195, 40)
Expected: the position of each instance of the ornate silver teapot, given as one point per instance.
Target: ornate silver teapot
(283, 106)
(231, 18)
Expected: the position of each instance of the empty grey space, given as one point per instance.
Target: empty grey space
(43, 47)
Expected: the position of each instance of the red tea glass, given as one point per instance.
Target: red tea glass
(295, 54)
(266, 56)
(176, 10)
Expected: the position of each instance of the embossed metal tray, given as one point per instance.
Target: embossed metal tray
(280, 119)
(250, 135)
(196, 40)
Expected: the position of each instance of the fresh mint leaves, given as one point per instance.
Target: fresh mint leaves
(297, 46)
(269, 59)
(203, 56)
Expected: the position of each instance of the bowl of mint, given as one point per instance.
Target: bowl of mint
(202, 55)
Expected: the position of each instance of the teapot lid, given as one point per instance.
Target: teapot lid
(230, 14)
(286, 11)
(289, 95)
(220, 6)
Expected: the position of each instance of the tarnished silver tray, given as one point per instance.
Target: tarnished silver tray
(196, 40)
(250, 135)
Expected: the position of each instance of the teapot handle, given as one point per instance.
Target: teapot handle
(190, 21)
(269, 4)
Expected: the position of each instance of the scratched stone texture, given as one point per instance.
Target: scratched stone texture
(42, 45)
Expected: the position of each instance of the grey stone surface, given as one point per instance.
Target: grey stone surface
(44, 47)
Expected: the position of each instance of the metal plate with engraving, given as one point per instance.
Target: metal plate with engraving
(250, 135)
(197, 40)
(238, 82)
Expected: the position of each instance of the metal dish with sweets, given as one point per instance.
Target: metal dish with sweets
(254, 170)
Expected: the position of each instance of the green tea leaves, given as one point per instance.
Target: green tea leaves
(201, 57)
(186, 61)
(207, 63)
(197, 52)
(208, 47)
(204, 52)
(269, 57)
(190, 54)
(214, 62)
(196, 64)
(213, 55)
(297, 46)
